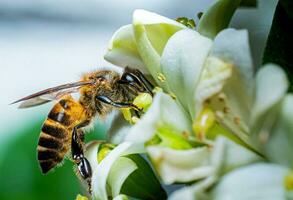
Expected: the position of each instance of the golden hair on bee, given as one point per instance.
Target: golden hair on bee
(100, 91)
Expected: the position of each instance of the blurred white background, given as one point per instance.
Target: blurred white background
(44, 43)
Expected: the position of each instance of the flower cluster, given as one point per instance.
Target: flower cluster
(216, 125)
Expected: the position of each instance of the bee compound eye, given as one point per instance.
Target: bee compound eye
(84, 168)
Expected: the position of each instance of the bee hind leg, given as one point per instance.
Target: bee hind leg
(81, 161)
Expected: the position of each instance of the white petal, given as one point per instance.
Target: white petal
(195, 191)
(271, 86)
(182, 62)
(185, 193)
(163, 111)
(119, 129)
(228, 155)
(122, 50)
(91, 153)
(280, 145)
(180, 165)
(232, 46)
(212, 80)
(258, 181)
(101, 172)
(152, 32)
(119, 172)
(121, 197)
(145, 17)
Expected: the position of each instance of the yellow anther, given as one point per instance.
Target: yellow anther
(161, 77)
(289, 181)
(203, 122)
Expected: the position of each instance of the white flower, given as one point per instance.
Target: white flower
(201, 73)
(258, 181)
(112, 168)
(278, 144)
(189, 66)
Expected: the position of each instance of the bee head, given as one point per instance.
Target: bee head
(135, 80)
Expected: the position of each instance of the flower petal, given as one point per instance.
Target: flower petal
(122, 50)
(119, 129)
(271, 86)
(101, 172)
(280, 145)
(228, 155)
(212, 80)
(163, 111)
(234, 82)
(121, 197)
(232, 46)
(258, 181)
(152, 32)
(119, 172)
(182, 62)
(217, 17)
(180, 165)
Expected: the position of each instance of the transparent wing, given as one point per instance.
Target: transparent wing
(50, 94)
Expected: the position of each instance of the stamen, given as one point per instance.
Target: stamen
(203, 122)
(161, 77)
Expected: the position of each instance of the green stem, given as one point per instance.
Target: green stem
(217, 17)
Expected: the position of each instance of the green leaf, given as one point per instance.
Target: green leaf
(142, 183)
(217, 17)
(248, 3)
(280, 41)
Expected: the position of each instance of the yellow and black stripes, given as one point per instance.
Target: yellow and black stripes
(53, 130)
(55, 138)
(53, 144)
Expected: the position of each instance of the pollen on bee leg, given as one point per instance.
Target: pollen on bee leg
(126, 114)
(203, 122)
(143, 101)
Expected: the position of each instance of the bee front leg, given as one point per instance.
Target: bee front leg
(83, 164)
(109, 101)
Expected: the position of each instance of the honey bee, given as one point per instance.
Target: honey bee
(100, 91)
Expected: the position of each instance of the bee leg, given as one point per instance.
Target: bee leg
(137, 113)
(107, 100)
(83, 164)
(136, 78)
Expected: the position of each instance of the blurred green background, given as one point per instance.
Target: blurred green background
(21, 177)
(51, 42)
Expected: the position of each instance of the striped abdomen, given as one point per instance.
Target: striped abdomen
(55, 137)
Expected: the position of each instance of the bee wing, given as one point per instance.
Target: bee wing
(50, 94)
